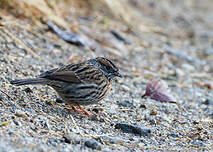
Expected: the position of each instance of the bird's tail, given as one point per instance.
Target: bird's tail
(29, 81)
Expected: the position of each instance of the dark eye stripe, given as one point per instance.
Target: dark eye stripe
(110, 65)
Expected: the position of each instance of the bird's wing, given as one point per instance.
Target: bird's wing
(61, 74)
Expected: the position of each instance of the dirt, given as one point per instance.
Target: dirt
(180, 53)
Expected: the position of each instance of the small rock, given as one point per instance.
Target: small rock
(143, 106)
(91, 143)
(49, 103)
(211, 115)
(1, 98)
(125, 103)
(197, 143)
(207, 102)
(125, 88)
(71, 139)
(96, 117)
(53, 141)
(67, 139)
(17, 123)
(182, 55)
(97, 110)
(57, 46)
(119, 37)
(28, 90)
(112, 140)
(153, 112)
(195, 122)
(137, 130)
(174, 135)
(20, 113)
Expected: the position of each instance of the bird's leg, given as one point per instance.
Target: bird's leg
(84, 111)
(79, 111)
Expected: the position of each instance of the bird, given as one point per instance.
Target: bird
(78, 84)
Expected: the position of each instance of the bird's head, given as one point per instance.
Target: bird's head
(107, 67)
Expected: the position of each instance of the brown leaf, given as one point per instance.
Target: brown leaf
(158, 90)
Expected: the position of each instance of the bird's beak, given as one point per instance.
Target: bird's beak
(118, 74)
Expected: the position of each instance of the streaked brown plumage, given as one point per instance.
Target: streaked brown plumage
(78, 84)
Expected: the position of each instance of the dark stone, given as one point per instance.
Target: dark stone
(208, 102)
(119, 37)
(198, 143)
(143, 106)
(67, 139)
(137, 130)
(125, 103)
(57, 46)
(195, 122)
(70, 37)
(1, 98)
(53, 141)
(174, 135)
(111, 140)
(211, 115)
(97, 110)
(28, 90)
(71, 139)
(182, 55)
(91, 143)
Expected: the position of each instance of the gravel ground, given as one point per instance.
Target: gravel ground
(33, 119)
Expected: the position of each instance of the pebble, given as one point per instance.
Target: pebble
(211, 115)
(207, 102)
(1, 98)
(137, 130)
(17, 123)
(126, 103)
(198, 143)
(53, 141)
(67, 139)
(174, 135)
(93, 144)
(20, 113)
(28, 90)
(112, 140)
(71, 139)
(182, 55)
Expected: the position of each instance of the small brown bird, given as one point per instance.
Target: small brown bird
(78, 84)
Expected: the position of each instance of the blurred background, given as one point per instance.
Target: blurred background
(170, 40)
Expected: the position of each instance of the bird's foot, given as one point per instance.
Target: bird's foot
(80, 110)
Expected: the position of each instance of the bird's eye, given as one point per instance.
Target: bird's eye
(108, 68)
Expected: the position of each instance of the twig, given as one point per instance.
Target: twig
(76, 126)
(6, 94)
(131, 110)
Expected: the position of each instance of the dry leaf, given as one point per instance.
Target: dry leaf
(158, 90)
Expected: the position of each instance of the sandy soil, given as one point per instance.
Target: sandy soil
(181, 53)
